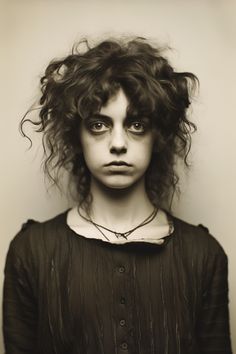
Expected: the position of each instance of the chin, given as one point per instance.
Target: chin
(119, 183)
(119, 187)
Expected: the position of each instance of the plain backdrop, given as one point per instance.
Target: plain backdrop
(202, 35)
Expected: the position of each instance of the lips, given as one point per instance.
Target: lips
(118, 163)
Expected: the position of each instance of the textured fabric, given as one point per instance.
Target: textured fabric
(65, 294)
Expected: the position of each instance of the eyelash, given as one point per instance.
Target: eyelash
(95, 131)
(144, 127)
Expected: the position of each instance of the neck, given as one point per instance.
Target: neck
(119, 208)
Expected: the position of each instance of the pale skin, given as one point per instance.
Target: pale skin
(120, 201)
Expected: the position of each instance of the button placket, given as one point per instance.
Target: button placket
(122, 281)
(122, 322)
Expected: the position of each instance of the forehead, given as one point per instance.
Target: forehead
(116, 106)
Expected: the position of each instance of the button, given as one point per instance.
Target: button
(122, 300)
(124, 346)
(121, 269)
(122, 322)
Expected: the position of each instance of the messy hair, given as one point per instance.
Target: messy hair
(78, 85)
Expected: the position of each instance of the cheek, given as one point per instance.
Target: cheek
(93, 151)
(143, 156)
(93, 155)
(86, 144)
(145, 150)
(145, 160)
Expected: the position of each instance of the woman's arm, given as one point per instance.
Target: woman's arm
(19, 304)
(213, 322)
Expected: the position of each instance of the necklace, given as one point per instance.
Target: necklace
(120, 234)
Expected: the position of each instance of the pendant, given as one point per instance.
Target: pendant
(119, 234)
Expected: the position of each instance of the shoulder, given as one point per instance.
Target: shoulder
(197, 240)
(199, 251)
(35, 235)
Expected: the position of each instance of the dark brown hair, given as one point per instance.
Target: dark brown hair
(81, 83)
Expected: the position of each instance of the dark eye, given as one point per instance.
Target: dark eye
(98, 127)
(137, 127)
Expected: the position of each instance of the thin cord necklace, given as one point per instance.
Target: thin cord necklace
(120, 234)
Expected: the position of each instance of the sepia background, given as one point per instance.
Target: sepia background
(202, 36)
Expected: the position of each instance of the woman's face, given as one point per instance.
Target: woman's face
(117, 148)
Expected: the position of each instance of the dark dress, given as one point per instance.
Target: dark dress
(64, 293)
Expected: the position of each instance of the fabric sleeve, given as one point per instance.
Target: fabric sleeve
(19, 304)
(213, 322)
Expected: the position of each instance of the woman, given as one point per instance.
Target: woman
(117, 273)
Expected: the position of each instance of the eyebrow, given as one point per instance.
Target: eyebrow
(100, 116)
(108, 118)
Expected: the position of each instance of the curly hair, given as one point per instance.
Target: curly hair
(78, 85)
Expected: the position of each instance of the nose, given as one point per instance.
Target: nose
(118, 141)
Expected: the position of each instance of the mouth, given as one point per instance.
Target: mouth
(118, 163)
